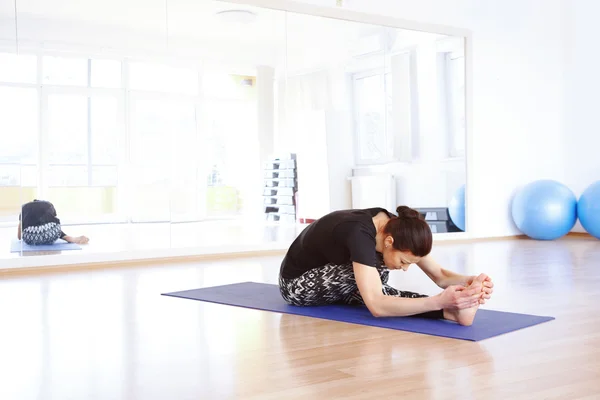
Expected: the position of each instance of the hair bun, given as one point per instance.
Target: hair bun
(405, 212)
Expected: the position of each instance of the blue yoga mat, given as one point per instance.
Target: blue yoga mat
(266, 297)
(18, 246)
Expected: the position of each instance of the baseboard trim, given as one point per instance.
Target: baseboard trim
(579, 235)
(582, 235)
(136, 263)
(477, 240)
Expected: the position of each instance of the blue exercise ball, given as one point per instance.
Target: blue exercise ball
(545, 210)
(456, 209)
(588, 209)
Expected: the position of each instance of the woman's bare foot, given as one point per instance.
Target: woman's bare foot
(77, 240)
(82, 240)
(466, 316)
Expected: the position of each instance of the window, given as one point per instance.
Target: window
(150, 129)
(20, 68)
(80, 110)
(105, 130)
(107, 176)
(105, 73)
(83, 144)
(18, 152)
(18, 149)
(373, 113)
(83, 140)
(67, 176)
(162, 78)
(18, 125)
(163, 146)
(65, 71)
(67, 129)
(231, 145)
(18, 175)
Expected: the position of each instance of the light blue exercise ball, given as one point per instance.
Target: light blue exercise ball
(588, 209)
(545, 210)
(456, 209)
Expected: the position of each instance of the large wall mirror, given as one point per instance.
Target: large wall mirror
(179, 125)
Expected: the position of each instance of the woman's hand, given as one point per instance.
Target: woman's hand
(458, 297)
(487, 289)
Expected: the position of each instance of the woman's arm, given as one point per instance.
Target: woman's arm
(370, 288)
(19, 231)
(440, 276)
(445, 278)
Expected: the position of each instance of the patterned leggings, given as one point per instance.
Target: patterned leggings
(42, 234)
(336, 284)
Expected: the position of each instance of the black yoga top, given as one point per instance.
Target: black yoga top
(38, 212)
(340, 237)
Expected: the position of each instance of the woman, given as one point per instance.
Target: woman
(39, 225)
(344, 257)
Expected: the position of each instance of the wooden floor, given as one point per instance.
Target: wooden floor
(110, 335)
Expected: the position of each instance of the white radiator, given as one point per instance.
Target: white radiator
(374, 191)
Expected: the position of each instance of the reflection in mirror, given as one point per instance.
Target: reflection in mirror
(428, 102)
(69, 119)
(383, 106)
(317, 104)
(186, 123)
(217, 174)
(145, 121)
(8, 25)
(18, 121)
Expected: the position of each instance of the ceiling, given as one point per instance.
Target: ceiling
(193, 25)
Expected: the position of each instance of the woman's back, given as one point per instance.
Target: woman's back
(37, 213)
(339, 237)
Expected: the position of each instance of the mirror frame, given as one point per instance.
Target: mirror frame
(67, 262)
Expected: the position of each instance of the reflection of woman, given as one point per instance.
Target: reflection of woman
(38, 224)
(344, 257)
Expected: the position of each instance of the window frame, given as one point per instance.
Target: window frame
(124, 95)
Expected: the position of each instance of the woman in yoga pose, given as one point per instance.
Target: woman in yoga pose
(345, 257)
(38, 224)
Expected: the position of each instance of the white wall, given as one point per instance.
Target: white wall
(582, 133)
(518, 94)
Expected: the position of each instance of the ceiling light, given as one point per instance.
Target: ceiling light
(237, 16)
